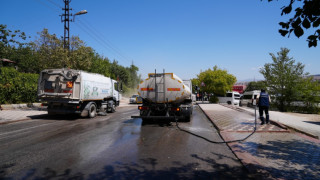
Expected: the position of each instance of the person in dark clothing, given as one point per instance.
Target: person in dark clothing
(263, 101)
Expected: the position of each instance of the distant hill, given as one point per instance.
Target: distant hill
(248, 80)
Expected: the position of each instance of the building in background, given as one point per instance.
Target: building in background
(240, 87)
(6, 62)
(316, 77)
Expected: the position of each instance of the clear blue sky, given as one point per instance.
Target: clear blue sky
(180, 36)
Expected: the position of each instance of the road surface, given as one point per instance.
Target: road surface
(115, 147)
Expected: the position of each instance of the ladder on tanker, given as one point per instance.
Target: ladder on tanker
(160, 87)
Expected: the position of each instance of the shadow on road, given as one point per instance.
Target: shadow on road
(70, 117)
(312, 122)
(145, 169)
(294, 159)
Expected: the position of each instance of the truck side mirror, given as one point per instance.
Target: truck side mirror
(121, 87)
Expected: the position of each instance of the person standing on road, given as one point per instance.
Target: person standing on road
(263, 101)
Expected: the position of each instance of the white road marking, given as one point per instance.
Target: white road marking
(11, 132)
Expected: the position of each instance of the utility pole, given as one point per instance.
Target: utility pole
(66, 19)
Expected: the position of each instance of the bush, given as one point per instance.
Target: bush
(16, 87)
(304, 109)
(213, 99)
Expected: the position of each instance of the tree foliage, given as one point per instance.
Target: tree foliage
(216, 81)
(17, 87)
(256, 85)
(309, 93)
(286, 80)
(306, 16)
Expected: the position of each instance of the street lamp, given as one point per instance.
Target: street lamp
(79, 13)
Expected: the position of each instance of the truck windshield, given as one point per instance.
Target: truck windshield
(116, 87)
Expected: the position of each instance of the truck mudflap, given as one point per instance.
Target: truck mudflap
(165, 112)
(160, 117)
(63, 111)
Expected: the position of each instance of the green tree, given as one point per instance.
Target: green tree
(14, 47)
(216, 81)
(16, 87)
(256, 85)
(195, 82)
(307, 15)
(11, 38)
(309, 93)
(49, 50)
(80, 55)
(26, 60)
(283, 77)
(134, 79)
(100, 65)
(51, 53)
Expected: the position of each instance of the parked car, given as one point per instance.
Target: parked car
(249, 98)
(230, 98)
(133, 99)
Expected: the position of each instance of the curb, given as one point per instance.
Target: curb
(303, 132)
(8, 122)
(20, 106)
(245, 165)
(219, 130)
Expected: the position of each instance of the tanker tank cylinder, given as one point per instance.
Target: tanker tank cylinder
(163, 88)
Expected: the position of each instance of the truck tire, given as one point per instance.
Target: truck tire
(50, 113)
(112, 107)
(187, 118)
(92, 110)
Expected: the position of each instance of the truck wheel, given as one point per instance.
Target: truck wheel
(187, 119)
(92, 111)
(113, 108)
(51, 113)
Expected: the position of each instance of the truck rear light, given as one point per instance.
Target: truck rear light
(49, 90)
(67, 91)
(69, 84)
(44, 104)
(175, 109)
(143, 108)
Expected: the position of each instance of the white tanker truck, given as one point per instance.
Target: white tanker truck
(165, 96)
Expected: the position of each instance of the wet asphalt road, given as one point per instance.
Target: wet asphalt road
(114, 147)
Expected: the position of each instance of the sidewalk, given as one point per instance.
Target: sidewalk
(20, 112)
(296, 121)
(271, 152)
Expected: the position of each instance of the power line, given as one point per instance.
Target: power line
(44, 4)
(107, 41)
(101, 39)
(107, 44)
(54, 3)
